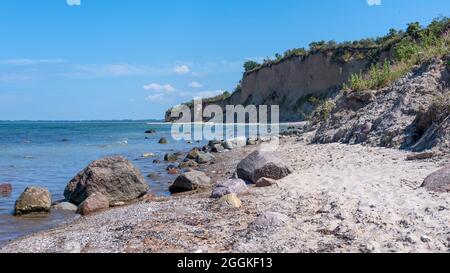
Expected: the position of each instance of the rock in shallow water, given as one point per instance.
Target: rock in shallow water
(114, 177)
(438, 181)
(65, 206)
(33, 199)
(190, 181)
(262, 164)
(5, 188)
(225, 187)
(95, 202)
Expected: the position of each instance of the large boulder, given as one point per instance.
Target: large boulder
(233, 143)
(190, 181)
(225, 187)
(262, 164)
(438, 181)
(114, 177)
(95, 202)
(33, 199)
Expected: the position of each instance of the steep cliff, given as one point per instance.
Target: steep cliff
(298, 83)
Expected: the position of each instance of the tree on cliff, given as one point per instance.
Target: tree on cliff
(250, 65)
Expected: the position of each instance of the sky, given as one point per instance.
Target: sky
(117, 59)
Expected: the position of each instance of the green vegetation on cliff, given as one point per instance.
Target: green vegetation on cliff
(417, 46)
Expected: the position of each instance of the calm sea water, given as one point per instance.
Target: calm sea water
(50, 154)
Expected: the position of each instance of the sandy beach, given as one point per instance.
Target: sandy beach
(339, 198)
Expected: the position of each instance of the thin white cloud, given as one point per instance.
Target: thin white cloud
(181, 69)
(158, 98)
(374, 2)
(30, 62)
(208, 94)
(89, 71)
(195, 84)
(159, 87)
(73, 2)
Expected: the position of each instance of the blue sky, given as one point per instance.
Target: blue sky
(116, 59)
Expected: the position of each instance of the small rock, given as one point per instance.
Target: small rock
(156, 161)
(420, 156)
(251, 141)
(193, 154)
(269, 220)
(171, 166)
(152, 131)
(117, 204)
(367, 127)
(217, 148)
(425, 239)
(33, 199)
(173, 171)
(5, 188)
(147, 155)
(170, 157)
(163, 141)
(190, 181)
(153, 176)
(438, 181)
(205, 158)
(225, 187)
(95, 202)
(265, 182)
(66, 206)
(231, 200)
(188, 164)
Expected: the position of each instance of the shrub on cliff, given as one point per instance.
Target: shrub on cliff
(251, 65)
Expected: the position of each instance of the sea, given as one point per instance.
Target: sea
(50, 154)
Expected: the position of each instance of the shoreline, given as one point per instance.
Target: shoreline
(340, 198)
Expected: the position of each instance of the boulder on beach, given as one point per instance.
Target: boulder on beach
(5, 188)
(33, 199)
(262, 164)
(95, 202)
(234, 143)
(225, 187)
(163, 140)
(114, 177)
(438, 181)
(190, 181)
(205, 158)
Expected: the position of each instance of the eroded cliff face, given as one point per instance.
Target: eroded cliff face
(296, 83)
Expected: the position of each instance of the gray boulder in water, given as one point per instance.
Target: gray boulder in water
(33, 199)
(262, 164)
(114, 177)
(438, 181)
